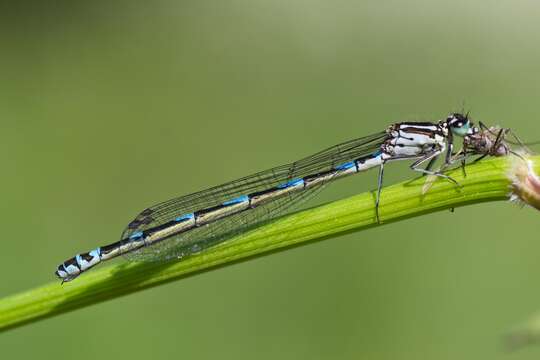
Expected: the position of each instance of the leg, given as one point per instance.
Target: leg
(519, 142)
(516, 139)
(379, 187)
(449, 150)
(463, 163)
(461, 156)
(430, 164)
(483, 127)
(480, 158)
(428, 157)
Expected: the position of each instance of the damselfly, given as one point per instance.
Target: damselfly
(188, 224)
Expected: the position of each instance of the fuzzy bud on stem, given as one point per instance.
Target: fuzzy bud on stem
(525, 182)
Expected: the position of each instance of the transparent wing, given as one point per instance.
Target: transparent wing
(201, 238)
(195, 238)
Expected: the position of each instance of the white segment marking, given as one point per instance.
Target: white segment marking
(369, 163)
(72, 269)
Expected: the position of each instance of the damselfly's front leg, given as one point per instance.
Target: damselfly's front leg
(461, 156)
(416, 167)
(379, 187)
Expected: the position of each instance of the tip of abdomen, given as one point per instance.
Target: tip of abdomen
(75, 266)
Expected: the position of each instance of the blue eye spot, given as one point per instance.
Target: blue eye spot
(461, 130)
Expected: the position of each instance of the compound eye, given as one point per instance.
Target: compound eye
(460, 127)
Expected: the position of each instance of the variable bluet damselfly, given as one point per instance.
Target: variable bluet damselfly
(187, 224)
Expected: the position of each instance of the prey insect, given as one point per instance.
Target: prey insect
(490, 141)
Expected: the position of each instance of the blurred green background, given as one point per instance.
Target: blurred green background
(107, 108)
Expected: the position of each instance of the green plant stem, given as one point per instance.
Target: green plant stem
(485, 181)
(525, 334)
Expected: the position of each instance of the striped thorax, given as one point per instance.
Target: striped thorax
(410, 139)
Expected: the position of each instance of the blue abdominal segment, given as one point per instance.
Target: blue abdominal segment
(184, 217)
(237, 200)
(291, 183)
(346, 166)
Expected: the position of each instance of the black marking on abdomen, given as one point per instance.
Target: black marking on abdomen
(157, 228)
(309, 178)
(210, 209)
(112, 247)
(87, 257)
(262, 192)
(72, 261)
